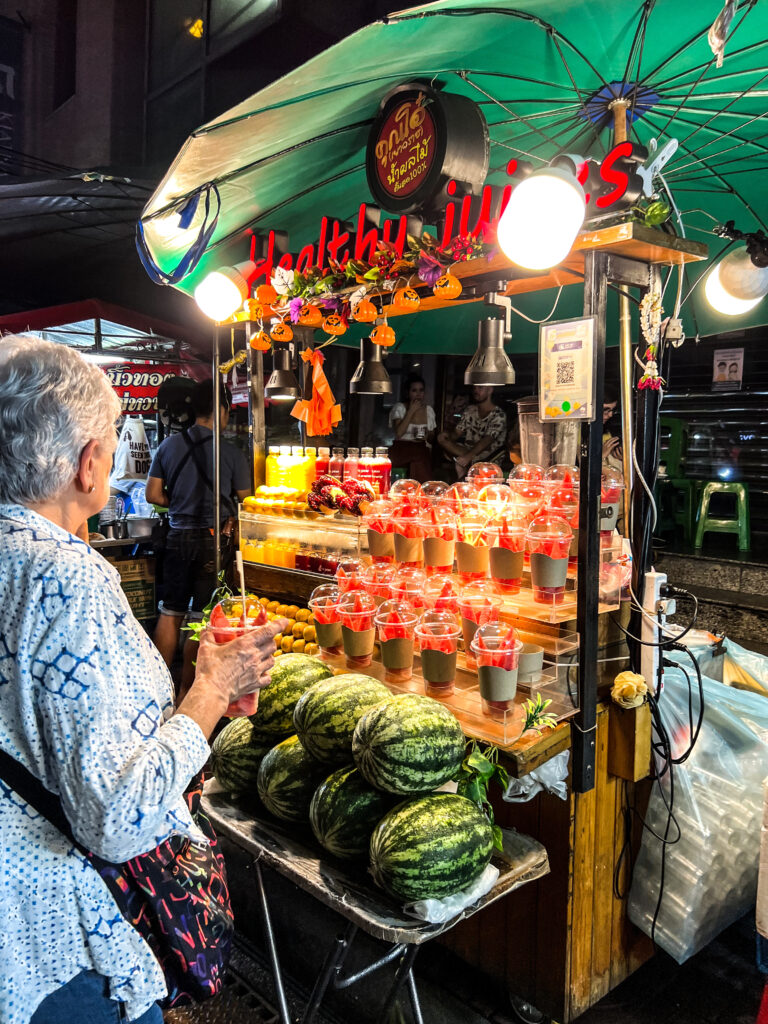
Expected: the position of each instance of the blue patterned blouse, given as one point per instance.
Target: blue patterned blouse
(85, 705)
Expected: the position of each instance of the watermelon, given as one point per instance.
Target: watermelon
(291, 675)
(326, 715)
(344, 811)
(287, 779)
(236, 754)
(411, 744)
(431, 846)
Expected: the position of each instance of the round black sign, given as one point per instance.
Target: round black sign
(420, 140)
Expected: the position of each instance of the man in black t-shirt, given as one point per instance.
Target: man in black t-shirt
(181, 478)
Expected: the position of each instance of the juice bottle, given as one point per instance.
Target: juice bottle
(296, 470)
(383, 471)
(322, 462)
(310, 474)
(336, 464)
(367, 467)
(283, 466)
(351, 464)
(272, 466)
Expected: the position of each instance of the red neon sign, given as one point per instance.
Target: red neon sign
(473, 215)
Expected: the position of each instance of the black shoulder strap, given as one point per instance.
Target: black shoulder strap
(31, 789)
(194, 451)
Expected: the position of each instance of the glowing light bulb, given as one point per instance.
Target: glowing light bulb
(223, 291)
(542, 218)
(736, 285)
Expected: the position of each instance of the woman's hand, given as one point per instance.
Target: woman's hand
(612, 446)
(240, 666)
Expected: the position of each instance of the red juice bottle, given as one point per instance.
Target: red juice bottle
(367, 467)
(322, 461)
(351, 464)
(383, 472)
(336, 464)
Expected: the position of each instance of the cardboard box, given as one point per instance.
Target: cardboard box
(137, 578)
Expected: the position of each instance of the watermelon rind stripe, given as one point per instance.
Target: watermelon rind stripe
(326, 715)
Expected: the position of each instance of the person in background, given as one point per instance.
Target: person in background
(480, 434)
(180, 479)
(87, 705)
(612, 454)
(414, 424)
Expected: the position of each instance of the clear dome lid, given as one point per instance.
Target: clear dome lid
(378, 515)
(402, 490)
(485, 473)
(461, 496)
(527, 471)
(434, 623)
(433, 490)
(408, 585)
(549, 527)
(396, 613)
(566, 475)
(356, 602)
(496, 637)
(497, 496)
(611, 484)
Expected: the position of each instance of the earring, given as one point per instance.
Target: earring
(92, 488)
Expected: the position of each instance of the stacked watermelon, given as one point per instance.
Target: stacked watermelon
(390, 754)
(408, 745)
(326, 715)
(236, 754)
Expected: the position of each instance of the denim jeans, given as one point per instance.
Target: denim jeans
(85, 1000)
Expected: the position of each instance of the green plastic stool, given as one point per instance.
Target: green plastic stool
(739, 525)
(672, 452)
(684, 505)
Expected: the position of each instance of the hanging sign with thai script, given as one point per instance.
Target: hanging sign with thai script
(136, 384)
(420, 140)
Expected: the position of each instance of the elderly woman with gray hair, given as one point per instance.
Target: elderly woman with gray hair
(86, 706)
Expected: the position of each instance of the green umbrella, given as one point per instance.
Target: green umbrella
(545, 73)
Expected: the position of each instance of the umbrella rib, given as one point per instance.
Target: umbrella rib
(660, 83)
(727, 106)
(284, 202)
(502, 12)
(464, 75)
(723, 135)
(642, 22)
(692, 42)
(727, 185)
(648, 7)
(576, 89)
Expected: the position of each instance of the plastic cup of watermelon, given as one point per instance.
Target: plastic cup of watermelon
(549, 541)
(348, 573)
(438, 636)
(228, 621)
(475, 537)
(507, 558)
(324, 605)
(409, 585)
(408, 537)
(441, 594)
(358, 632)
(380, 530)
(438, 524)
(497, 652)
(396, 621)
(479, 603)
(377, 580)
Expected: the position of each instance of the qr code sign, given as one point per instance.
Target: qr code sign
(566, 372)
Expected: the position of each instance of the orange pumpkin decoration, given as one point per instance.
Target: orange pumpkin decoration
(383, 335)
(447, 287)
(266, 294)
(365, 312)
(281, 332)
(407, 298)
(260, 341)
(253, 309)
(334, 325)
(310, 316)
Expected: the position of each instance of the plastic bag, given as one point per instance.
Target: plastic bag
(550, 778)
(132, 458)
(711, 872)
(438, 911)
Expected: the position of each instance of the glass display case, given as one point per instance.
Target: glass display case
(301, 545)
